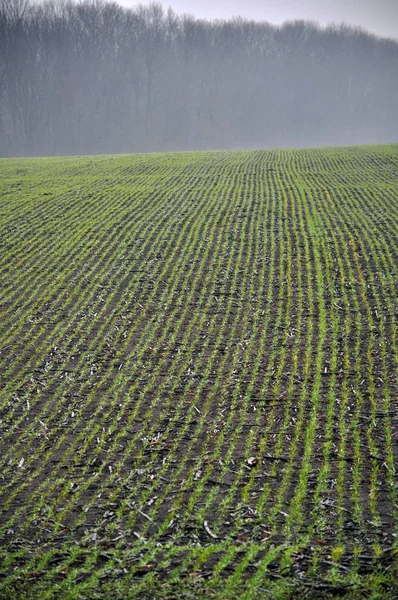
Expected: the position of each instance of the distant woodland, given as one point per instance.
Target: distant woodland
(93, 77)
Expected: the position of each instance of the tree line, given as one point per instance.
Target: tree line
(94, 77)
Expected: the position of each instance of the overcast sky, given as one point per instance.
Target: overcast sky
(377, 16)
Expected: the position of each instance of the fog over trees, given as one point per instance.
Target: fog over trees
(94, 77)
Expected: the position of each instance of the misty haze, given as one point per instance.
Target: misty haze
(95, 77)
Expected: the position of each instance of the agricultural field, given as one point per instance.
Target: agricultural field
(198, 358)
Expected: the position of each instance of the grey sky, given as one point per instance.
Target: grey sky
(377, 16)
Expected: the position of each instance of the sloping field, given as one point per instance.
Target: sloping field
(199, 367)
